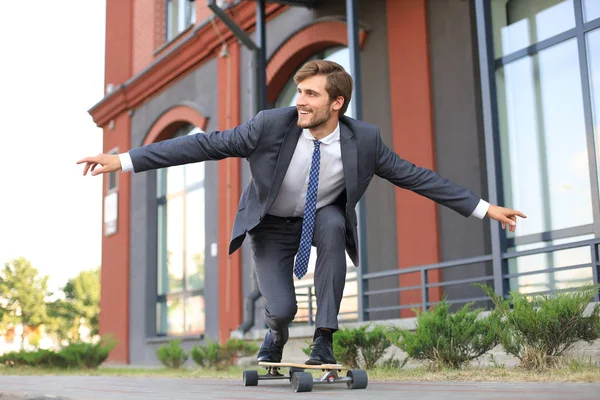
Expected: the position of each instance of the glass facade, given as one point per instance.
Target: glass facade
(547, 161)
(181, 247)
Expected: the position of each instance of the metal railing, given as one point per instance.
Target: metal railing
(306, 296)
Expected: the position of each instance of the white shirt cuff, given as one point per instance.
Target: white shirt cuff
(126, 164)
(481, 209)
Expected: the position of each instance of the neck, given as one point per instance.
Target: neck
(325, 129)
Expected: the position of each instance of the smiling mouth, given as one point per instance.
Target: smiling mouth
(303, 112)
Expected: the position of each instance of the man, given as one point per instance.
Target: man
(310, 165)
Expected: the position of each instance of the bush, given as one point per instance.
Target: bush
(213, 355)
(373, 344)
(353, 346)
(449, 340)
(539, 329)
(76, 355)
(86, 355)
(171, 355)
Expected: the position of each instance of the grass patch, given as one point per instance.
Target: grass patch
(571, 372)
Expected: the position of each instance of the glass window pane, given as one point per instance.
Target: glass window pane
(591, 10)
(540, 262)
(194, 315)
(175, 244)
(172, 18)
(543, 141)
(593, 56)
(520, 23)
(163, 268)
(175, 177)
(170, 316)
(195, 239)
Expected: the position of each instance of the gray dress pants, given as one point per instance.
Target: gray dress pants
(274, 245)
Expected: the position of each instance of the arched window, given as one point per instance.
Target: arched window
(304, 288)
(181, 246)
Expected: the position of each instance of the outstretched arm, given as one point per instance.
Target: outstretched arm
(427, 183)
(237, 142)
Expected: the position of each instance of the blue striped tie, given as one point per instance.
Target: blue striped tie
(310, 209)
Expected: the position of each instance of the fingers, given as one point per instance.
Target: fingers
(98, 171)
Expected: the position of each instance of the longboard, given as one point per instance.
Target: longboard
(325, 367)
(303, 381)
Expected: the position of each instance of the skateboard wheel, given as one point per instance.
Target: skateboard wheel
(302, 382)
(359, 377)
(294, 370)
(250, 378)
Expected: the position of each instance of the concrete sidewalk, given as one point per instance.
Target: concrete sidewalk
(128, 388)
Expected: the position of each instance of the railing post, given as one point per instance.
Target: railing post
(424, 294)
(595, 269)
(310, 307)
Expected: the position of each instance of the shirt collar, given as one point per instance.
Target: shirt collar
(332, 137)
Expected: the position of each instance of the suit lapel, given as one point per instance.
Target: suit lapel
(283, 161)
(349, 161)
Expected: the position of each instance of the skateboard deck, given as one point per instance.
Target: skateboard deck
(302, 381)
(338, 367)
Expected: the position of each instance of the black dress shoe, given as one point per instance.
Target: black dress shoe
(270, 351)
(321, 352)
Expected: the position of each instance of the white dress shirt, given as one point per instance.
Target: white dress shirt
(291, 197)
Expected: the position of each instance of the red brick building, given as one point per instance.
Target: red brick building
(438, 77)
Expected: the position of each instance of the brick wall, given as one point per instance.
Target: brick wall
(144, 38)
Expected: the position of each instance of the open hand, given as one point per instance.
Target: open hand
(505, 215)
(108, 162)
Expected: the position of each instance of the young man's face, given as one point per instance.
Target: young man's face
(313, 103)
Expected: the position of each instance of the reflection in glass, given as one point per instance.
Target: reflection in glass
(195, 240)
(543, 142)
(194, 315)
(539, 262)
(591, 10)
(520, 23)
(593, 56)
(181, 244)
(175, 244)
(170, 316)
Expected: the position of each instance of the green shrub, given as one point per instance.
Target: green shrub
(15, 359)
(171, 355)
(445, 339)
(346, 346)
(210, 355)
(236, 348)
(76, 355)
(213, 355)
(355, 346)
(373, 344)
(86, 355)
(539, 329)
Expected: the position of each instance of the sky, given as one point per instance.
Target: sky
(51, 73)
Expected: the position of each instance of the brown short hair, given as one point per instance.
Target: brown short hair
(339, 82)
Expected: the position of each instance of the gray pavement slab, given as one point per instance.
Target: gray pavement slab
(137, 388)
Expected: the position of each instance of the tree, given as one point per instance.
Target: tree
(23, 295)
(82, 293)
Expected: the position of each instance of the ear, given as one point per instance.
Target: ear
(338, 103)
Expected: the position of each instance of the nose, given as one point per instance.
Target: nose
(301, 100)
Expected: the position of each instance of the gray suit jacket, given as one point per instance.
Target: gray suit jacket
(268, 141)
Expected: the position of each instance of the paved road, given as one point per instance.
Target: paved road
(127, 388)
